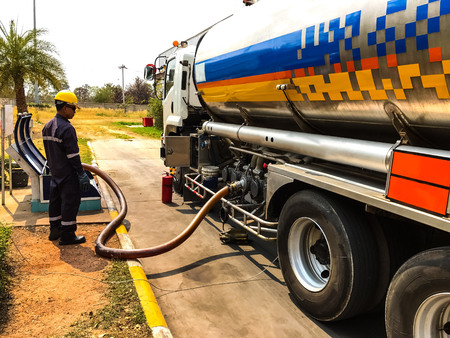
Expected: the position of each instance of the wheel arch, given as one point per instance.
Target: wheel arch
(279, 198)
(283, 192)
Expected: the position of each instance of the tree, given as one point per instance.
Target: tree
(6, 93)
(107, 93)
(103, 95)
(117, 94)
(25, 57)
(140, 91)
(83, 93)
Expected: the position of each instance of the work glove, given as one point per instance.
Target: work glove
(85, 183)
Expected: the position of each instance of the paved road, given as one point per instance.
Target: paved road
(206, 288)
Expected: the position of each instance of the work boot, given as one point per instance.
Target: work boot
(55, 233)
(68, 238)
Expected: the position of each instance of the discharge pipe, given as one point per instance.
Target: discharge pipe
(359, 153)
(102, 250)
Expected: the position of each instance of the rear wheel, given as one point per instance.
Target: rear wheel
(327, 254)
(418, 299)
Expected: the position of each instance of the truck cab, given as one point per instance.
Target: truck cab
(180, 99)
(182, 110)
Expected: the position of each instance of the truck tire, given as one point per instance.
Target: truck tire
(327, 255)
(418, 299)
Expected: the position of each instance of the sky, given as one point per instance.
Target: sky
(94, 37)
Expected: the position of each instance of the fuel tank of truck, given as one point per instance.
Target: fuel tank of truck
(370, 69)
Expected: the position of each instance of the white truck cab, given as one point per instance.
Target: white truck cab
(179, 92)
(182, 111)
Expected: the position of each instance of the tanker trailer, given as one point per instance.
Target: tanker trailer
(335, 118)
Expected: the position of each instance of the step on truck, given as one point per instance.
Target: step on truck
(335, 118)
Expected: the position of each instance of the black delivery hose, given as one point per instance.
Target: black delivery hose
(108, 232)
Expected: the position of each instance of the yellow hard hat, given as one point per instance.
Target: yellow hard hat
(68, 97)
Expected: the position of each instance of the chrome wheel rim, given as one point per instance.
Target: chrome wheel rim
(433, 317)
(309, 254)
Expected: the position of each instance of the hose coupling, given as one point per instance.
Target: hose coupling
(237, 185)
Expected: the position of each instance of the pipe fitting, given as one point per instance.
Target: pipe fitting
(238, 185)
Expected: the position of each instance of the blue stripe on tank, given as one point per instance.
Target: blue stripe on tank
(270, 56)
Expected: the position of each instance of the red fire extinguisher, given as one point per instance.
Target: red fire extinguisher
(166, 194)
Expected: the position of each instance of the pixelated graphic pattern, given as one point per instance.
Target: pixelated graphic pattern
(422, 13)
(383, 35)
(313, 52)
(323, 40)
(314, 49)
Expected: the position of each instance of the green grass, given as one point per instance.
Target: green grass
(123, 311)
(85, 151)
(150, 132)
(122, 123)
(5, 237)
(113, 113)
(123, 137)
(5, 273)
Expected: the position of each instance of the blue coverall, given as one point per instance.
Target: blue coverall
(63, 158)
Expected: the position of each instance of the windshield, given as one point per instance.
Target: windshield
(169, 76)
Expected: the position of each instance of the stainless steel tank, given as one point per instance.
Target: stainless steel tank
(376, 70)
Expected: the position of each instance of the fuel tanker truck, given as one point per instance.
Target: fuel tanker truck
(334, 117)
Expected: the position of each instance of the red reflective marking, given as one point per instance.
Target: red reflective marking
(422, 168)
(418, 194)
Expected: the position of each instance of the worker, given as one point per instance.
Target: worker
(68, 178)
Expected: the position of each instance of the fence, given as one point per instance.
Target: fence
(129, 107)
(4, 102)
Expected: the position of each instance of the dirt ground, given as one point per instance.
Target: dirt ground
(40, 306)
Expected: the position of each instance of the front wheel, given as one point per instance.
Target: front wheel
(418, 299)
(179, 180)
(327, 254)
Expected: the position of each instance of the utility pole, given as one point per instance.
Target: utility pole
(123, 85)
(36, 88)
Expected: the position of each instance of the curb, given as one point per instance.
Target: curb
(153, 314)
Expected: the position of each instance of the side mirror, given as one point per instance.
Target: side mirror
(149, 72)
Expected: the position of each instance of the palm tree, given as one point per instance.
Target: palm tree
(25, 57)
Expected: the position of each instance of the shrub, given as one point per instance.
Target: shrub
(39, 105)
(155, 110)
